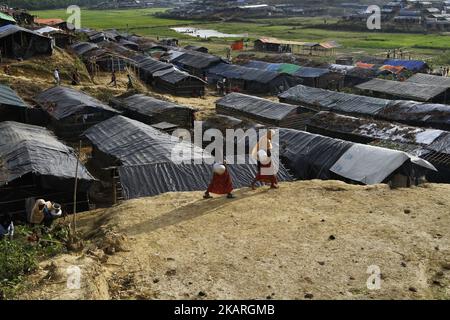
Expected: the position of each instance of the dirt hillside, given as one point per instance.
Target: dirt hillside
(307, 240)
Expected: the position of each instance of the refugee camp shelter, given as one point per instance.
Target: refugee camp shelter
(405, 90)
(262, 111)
(411, 65)
(306, 48)
(12, 107)
(410, 112)
(149, 162)
(17, 42)
(105, 60)
(431, 80)
(55, 22)
(318, 77)
(71, 112)
(80, 48)
(34, 165)
(432, 145)
(311, 156)
(61, 39)
(179, 83)
(153, 111)
(196, 63)
(147, 66)
(251, 80)
(196, 48)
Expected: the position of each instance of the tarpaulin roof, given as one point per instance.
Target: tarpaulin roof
(10, 29)
(259, 107)
(51, 21)
(150, 106)
(155, 179)
(4, 16)
(313, 156)
(148, 168)
(308, 72)
(31, 149)
(423, 114)
(9, 97)
(408, 90)
(197, 60)
(413, 65)
(135, 143)
(372, 165)
(47, 29)
(174, 76)
(276, 67)
(151, 65)
(332, 100)
(61, 102)
(232, 71)
(429, 79)
(393, 69)
(81, 48)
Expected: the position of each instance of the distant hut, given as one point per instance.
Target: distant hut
(196, 63)
(33, 165)
(71, 112)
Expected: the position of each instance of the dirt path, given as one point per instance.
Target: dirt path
(311, 239)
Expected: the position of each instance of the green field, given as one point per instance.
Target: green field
(432, 47)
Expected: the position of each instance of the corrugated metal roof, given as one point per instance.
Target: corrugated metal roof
(9, 97)
(61, 102)
(31, 149)
(408, 90)
(254, 105)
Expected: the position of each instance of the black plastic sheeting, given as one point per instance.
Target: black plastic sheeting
(150, 106)
(441, 144)
(31, 149)
(152, 180)
(81, 48)
(310, 156)
(260, 107)
(175, 76)
(197, 60)
(150, 65)
(8, 97)
(135, 143)
(334, 101)
(62, 102)
(422, 114)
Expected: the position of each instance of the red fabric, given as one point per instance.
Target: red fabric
(272, 179)
(221, 184)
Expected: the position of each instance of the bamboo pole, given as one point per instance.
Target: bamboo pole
(74, 221)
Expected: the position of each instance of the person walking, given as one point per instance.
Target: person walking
(57, 77)
(113, 79)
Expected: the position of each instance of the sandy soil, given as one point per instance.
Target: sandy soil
(307, 240)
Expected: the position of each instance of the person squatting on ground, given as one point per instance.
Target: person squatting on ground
(262, 152)
(221, 182)
(45, 212)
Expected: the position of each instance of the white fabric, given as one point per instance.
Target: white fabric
(368, 164)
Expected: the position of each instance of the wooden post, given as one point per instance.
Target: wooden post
(75, 192)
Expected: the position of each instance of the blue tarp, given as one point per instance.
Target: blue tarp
(413, 65)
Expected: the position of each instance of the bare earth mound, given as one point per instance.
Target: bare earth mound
(312, 239)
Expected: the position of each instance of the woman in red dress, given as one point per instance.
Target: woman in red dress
(221, 183)
(265, 170)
